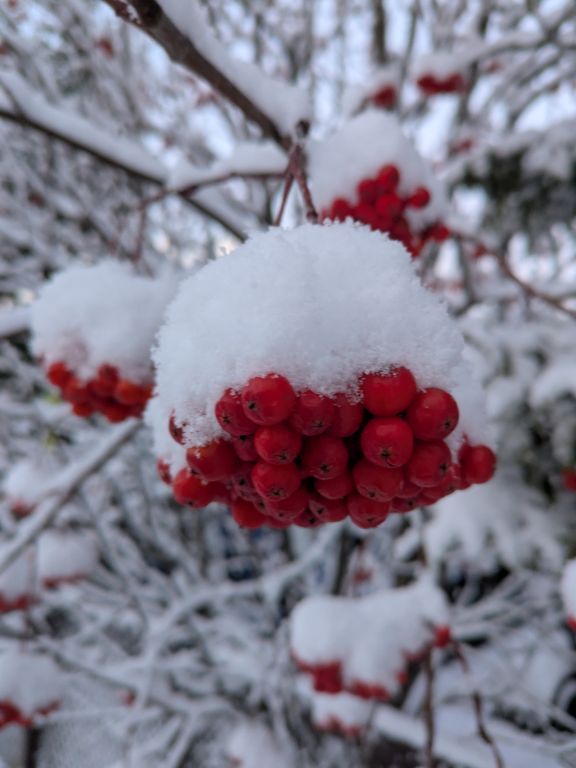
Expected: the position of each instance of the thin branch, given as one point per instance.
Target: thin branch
(429, 717)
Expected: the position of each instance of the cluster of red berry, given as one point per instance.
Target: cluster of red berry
(385, 97)
(433, 85)
(381, 206)
(106, 393)
(10, 714)
(18, 603)
(307, 459)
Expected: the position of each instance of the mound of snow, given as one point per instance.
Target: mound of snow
(65, 556)
(252, 745)
(340, 713)
(18, 583)
(30, 683)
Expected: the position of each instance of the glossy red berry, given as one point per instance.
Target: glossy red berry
(274, 482)
(377, 483)
(402, 506)
(336, 488)
(58, 374)
(268, 399)
(289, 508)
(215, 461)
(278, 444)
(176, 430)
(387, 442)
(346, 417)
(329, 510)
(324, 457)
(388, 394)
(129, 393)
(190, 490)
(245, 448)
(246, 514)
(433, 414)
(312, 413)
(388, 179)
(230, 415)
(478, 463)
(366, 513)
(367, 190)
(420, 198)
(242, 485)
(429, 464)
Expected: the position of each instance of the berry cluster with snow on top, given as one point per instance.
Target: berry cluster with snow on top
(93, 328)
(399, 626)
(340, 713)
(441, 72)
(253, 745)
(24, 484)
(18, 584)
(351, 399)
(30, 687)
(380, 90)
(382, 181)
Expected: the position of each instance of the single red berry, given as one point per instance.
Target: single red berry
(387, 442)
(401, 506)
(324, 457)
(365, 213)
(242, 485)
(312, 414)
(128, 393)
(346, 418)
(215, 461)
(190, 490)
(246, 514)
(245, 448)
(230, 415)
(367, 191)
(289, 508)
(176, 430)
(377, 483)
(389, 206)
(569, 478)
(388, 179)
(58, 374)
(116, 412)
(336, 488)
(385, 98)
(409, 490)
(75, 391)
(366, 513)
(275, 482)
(327, 677)
(84, 410)
(307, 520)
(278, 444)
(433, 414)
(442, 636)
(164, 471)
(429, 464)
(340, 209)
(268, 399)
(328, 510)
(388, 394)
(420, 198)
(478, 463)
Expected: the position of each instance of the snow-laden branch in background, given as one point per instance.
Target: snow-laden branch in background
(14, 321)
(63, 487)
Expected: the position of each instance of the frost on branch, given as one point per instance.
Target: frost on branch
(93, 327)
(335, 328)
(30, 686)
(253, 745)
(363, 645)
(381, 181)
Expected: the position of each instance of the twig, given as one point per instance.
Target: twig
(429, 718)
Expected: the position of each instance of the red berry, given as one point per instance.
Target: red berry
(115, 412)
(129, 393)
(388, 179)
(336, 488)
(277, 444)
(389, 206)
(246, 514)
(387, 442)
(289, 508)
(82, 409)
(368, 191)
(164, 471)
(230, 415)
(442, 636)
(478, 463)
(420, 198)
(176, 430)
(58, 374)
(387, 394)
(409, 490)
(429, 464)
(324, 457)
(275, 482)
(327, 677)
(329, 510)
(341, 209)
(366, 513)
(401, 506)
(385, 98)
(214, 461)
(242, 485)
(346, 418)
(569, 479)
(190, 490)
(377, 483)
(312, 413)
(268, 399)
(307, 520)
(433, 414)
(245, 448)
(75, 391)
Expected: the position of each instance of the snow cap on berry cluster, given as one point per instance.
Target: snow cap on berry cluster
(90, 315)
(66, 556)
(440, 65)
(358, 150)
(356, 94)
(18, 580)
(29, 682)
(320, 305)
(340, 712)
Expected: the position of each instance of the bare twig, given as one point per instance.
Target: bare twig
(429, 718)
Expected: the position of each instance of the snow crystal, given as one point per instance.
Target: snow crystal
(440, 65)
(318, 304)
(252, 745)
(29, 682)
(358, 150)
(90, 315)
(65, 555)
(568, 588)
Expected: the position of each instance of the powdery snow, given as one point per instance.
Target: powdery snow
(253, 745)
(26, 482)
(557, 379)
(340, 713)
(65, 556)
(165, 447)
(358, 150)
(30, 682)
(440, 65)
(283, 103)
(90, 315)
(317, 304)
(18, 581)
(357, 94)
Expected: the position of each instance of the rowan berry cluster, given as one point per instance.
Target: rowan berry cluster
(107, 392)
(11, 714)
(383, 208)
(432, 85)
(307, 459)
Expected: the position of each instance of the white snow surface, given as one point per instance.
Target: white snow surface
(27, 480)
(90, 315)
(284, 104)
(332, 709)
(253, 745)
(568, 588)
(358, 150)
(317, 304)
(165, 447)
(357, 93)
(28, 681)
(19, 578)
(64, 555)
(440, 64)
(371, 635)
(557, 379)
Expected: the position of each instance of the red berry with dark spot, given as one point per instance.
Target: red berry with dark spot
(245, 448)
(409, 490)
(268, 399)
(329, 510)
(230, 415)
(429, 464)
(312, 413)
(388, 394)
(246, 514)
(215, 461)
(274, 482)
(242, 485)
(324, 457)
(336, 488)
(289, 508)
(478, 463)
(377, 483)
(307, 520)
(278, 444)
(366, 513)
(190, 490)
(346, 418)
(176, 430)
(433, 414)
(387, 442)
(58, 374)
(402, 506)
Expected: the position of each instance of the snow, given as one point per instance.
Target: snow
(27, 481)
(568, 588)
(284, 104)
(18, 580)
(248, 159)
(13, 321)
(165, 447)
(317, 304)
(30, 682)
(370, 636)
(357, 93)
(65, 556)
(360, 148)
(440, 65)
(557, 379)
(253, 745)
(90, 315)
(339, 712)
